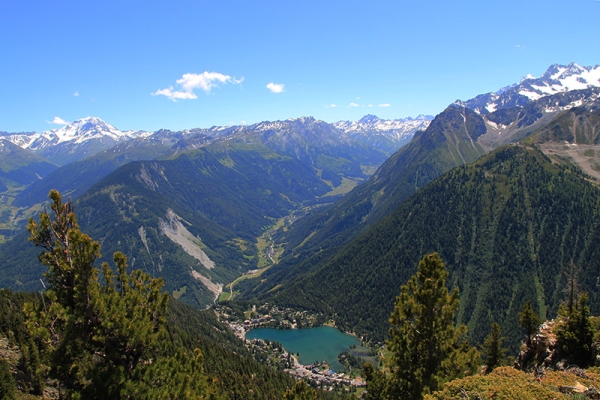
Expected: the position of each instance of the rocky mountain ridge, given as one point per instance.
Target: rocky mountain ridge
(557, 79)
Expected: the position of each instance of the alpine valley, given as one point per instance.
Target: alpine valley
(192, 205)
(331, 219)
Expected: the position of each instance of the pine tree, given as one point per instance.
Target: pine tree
(8, 386)
(493, 352)
(575, 333)
(529, 321)
(105, 337)
(301, 391)
(427, 348)
(376, 381)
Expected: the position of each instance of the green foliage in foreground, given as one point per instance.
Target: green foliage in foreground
(8, 386)
(492, 348)
(429, 360)
(118, 337)
(529, 321)
(575, 333)
(427, 348)
(105, 338)
(506, 383)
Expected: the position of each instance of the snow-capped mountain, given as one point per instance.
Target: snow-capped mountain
(386, 134)
(395, 127)
(79, 139)
(83, 130)
(556, 79)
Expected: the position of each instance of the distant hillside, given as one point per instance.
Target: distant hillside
(75, 178)
(21, 167)
(573, 137)
(193, 220)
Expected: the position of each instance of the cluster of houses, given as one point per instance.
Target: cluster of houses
(321, 376)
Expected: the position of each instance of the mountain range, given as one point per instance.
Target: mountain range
(556, 79)
(73, 158)
(190, 205)
(320, 248)
(205, 206)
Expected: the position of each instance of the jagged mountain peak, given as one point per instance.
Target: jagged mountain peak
(369, 118)
(557, 79)
(84, 129)
(558, 71)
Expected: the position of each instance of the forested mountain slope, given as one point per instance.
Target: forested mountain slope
(508, 227)
(448, 141)
(193, 220)
(455, 137)
(75, 178)
(231, 369)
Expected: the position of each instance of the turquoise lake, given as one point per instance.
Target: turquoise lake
(322, 343)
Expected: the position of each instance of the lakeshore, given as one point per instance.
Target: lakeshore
(322, 343)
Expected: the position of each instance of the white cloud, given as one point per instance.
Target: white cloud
(174, 94)
(275, 87)
(331, 106)
(76, 94)
(58, 121)
(352, 105)
(190, 82)
(383, 105)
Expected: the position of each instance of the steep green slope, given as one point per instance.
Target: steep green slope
(20, 166)
(450, 140)
(75, 178)
(455, 137)
(193, 220)
(508, 227)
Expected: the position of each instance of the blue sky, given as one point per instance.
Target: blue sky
(187, 64)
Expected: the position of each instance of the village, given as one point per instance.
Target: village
(318, 375)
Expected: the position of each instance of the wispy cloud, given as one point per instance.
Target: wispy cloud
(383, 105)
(58, 121)
(191, 82)
(331, 105)
(520, 47)
(275, 87)
(76, 94)
(353, 105)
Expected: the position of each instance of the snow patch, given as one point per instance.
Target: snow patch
(491, 107)
(495, 125)
(77, 132)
